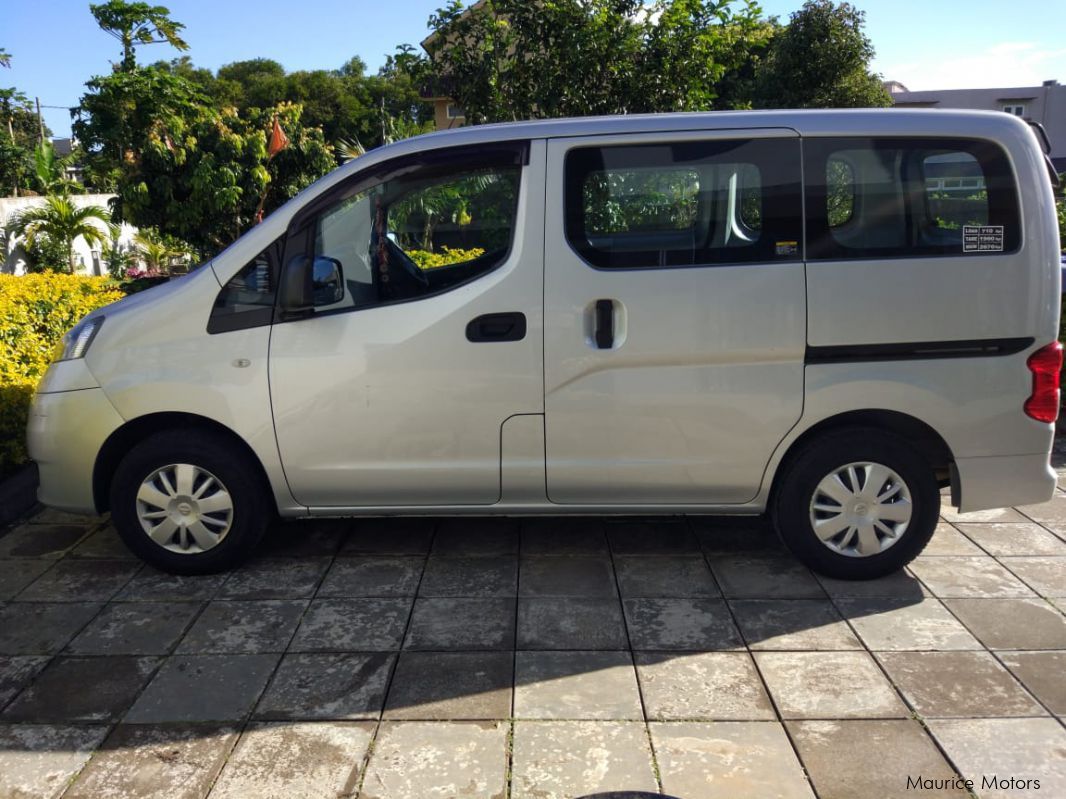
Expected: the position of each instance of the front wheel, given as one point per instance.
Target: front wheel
(857, 504)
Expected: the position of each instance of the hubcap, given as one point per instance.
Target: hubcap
(861, 509)
(184, 508)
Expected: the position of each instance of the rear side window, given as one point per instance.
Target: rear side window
(684, 203)
(899, 197)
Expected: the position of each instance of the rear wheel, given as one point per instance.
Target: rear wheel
(857, 504)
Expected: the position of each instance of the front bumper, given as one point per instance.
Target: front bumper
(65, 433)
(1000, 482)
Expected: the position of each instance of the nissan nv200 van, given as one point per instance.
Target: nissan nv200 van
(827, 316)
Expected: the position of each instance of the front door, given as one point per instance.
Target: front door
(675, 314)
(395, 395)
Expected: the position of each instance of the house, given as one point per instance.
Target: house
(446, 112)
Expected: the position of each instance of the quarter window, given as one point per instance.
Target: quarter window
(247, 300)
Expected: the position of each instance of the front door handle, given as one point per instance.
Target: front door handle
(497, 327)
(604, 324)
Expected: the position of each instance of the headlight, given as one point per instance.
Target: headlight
(76, 342)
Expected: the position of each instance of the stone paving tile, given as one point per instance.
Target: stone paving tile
(1012, 623)
(54, 516)
(17, 574)
(680, 624)
(199, 688)
(895, 624)
(442, 760)
(135, 628)
(947, 540)
(82, 689)
(576, 685)
(38, 761)
(573, 576)
(395, 536)
(764, 577)
(1050, 514)
(900, 585)
(1043, 673)
(347, 625)
(950, 514)
(1046, 576)
(155, 762)
(704, 685)
(333, 686)
(462, 624)
(276, 578)
(751, 535)
(451, 685)
(295, 761)
(564, 759)
(792, 624)
(996, 750)
(967, 577)
(104, 544)
(238, 627)
(570, 623)
(482, 576)
(465, 536)
(728, 760)
(16, 673)
(665, 576)
(81, 580)
(870, 758)
(41, 628)
(1014, 539)
(575, 535)
(304, 538)
(360, 576)
(48, 541)
(957, 685)
(648, 537)
(150, 585)
(828, 685)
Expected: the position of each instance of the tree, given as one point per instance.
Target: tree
(821, 60)
(62, 223)
(5, 58)
(135, 24)
(157, 250)
(50, 171)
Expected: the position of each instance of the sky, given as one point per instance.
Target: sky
(925, 44)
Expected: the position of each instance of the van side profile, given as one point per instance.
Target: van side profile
(827, 316)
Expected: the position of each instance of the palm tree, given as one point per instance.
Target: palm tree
(156, 250)
(59, 220)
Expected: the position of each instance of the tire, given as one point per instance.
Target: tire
(220, 473)
(849, 555)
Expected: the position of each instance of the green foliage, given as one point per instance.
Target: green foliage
(50, 171)
(446, 257)
(5, 58)
(19, 133)
(135, 24)
(1060, 209)
(60, 222)
(156, 250)
(624, 201)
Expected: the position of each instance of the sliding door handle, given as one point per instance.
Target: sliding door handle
(604, 324)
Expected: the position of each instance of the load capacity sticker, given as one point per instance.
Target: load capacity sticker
(982, 238)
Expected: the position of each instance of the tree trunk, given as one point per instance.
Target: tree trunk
(70, 256)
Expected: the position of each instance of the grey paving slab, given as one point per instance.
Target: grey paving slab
(479, 576)
(155, 762)
(16, 673)
(957, 685)
(462, 624)
(295, 761)
(17, 574)
(55, 516)
(764, 577)
(202, 688)
(570, 623)
(372, 576)
(327, 686)
(577, 535)
(728, 760)
(82, 689)
(947, 540)
(49, 541)
(718, 536)
(1004, 757)
(150, 585)
(451, 685)
(704, 685)
(465, 536)
(135, 628)
(1050, 514)
(664, 576)
(900, 585)
(304, 538)
(1012, 623)
(42, 628)
(1043, 673)
(651, 537)
(902, 624)
(104, 544)
(576, 685)
(870, 758)
(967, 577)
(396, 536)
(952, 515)
(828, 685)
(81, 581)
(564, 759)
(572, 576)
(238, 627)
(1019, 539)
(276, 578)
(438, 760)
(38, 761)
(680, 624)
(792, 624)
(352, 625)
(1045, 575)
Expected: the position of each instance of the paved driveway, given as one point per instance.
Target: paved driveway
(545, 658)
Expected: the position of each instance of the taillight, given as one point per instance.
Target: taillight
(1045, 364)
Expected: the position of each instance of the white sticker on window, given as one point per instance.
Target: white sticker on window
(982, 238)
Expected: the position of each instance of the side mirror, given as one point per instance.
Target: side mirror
(327, 281)
(307, 283)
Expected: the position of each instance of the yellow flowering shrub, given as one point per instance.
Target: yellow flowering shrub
(35, 311)
(447, 256)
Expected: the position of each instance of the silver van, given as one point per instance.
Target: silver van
(826, 316)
